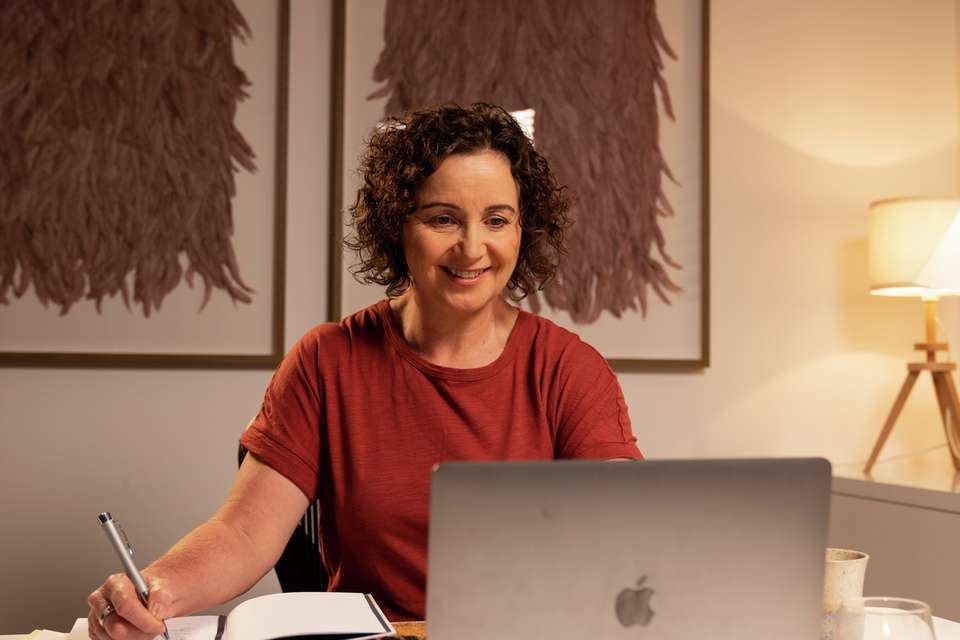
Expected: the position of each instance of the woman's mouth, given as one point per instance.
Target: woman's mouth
(471, 274)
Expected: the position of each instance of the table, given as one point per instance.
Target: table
(945, 629)
(406, 630)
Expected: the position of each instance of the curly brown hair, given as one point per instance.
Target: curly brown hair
(404, 151)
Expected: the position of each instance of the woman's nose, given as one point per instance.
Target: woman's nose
(472, 243)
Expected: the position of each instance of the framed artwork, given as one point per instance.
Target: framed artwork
(630, 141)
(195, 326)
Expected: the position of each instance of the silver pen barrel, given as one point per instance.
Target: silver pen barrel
(118, 540)
(124, 552)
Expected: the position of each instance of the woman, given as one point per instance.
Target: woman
(457, 208)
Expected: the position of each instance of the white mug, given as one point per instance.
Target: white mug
(843, 580)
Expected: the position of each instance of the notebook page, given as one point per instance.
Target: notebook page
(295, 614)
(79, 630)
(45, 634)
(186, 628)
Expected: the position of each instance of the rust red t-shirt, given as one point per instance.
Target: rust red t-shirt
(354, 417)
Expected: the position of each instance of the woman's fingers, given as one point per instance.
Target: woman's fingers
(130, 620)
(97, 603)
(94, 630)
(117, 628)
(129, 609)
(160, 602)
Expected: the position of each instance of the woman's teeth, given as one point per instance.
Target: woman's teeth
(468, 275)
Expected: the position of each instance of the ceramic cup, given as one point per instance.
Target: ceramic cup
(843, 580)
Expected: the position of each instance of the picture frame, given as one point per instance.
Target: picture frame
(225, 335)
(668, 337)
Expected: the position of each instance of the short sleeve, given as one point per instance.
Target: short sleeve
(592, 416)
(285, 434)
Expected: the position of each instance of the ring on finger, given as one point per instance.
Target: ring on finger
(107, 611)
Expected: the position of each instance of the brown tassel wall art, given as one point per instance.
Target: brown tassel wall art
(592, 71)
(118, 149)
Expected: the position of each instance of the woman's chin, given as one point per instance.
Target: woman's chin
(469, 303)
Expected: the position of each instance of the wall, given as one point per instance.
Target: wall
(157, 448)
(818, 108)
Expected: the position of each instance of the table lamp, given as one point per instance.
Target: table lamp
(915, 252)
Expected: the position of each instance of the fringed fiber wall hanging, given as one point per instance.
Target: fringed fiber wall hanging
(118, 149)
(591, 71)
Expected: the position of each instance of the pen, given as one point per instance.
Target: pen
(118, 540)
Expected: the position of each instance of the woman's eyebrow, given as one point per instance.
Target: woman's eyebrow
(444, 205)
(449, 205)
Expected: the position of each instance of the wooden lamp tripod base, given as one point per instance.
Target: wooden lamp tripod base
(943, 385)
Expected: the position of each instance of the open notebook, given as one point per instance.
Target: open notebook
(333, 616)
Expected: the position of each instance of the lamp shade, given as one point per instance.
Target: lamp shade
(915, 247)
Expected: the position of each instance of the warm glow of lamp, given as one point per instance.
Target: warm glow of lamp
(915, 247)
(915, 251)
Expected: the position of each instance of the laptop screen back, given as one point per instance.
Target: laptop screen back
(659, 549)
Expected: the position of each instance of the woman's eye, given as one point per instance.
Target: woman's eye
(498, 222)
(443, 221)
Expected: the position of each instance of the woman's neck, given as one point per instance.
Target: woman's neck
(461, 341)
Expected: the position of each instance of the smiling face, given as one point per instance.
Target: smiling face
(462, 242)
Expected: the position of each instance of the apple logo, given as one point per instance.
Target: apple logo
(633, 605)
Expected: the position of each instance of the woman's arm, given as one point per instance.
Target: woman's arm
(215, 562)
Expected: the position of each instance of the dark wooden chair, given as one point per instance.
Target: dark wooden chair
(299, 567)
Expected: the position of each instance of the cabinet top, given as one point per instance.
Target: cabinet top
(925, 479)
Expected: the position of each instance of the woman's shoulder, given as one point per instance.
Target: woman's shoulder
(357, 330)
(555, 343)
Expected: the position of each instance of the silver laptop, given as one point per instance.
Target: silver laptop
(658, 550)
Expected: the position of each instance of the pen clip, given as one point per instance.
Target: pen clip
(123, 534)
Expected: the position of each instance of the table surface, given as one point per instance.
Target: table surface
(945, 630)
(409, 630)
